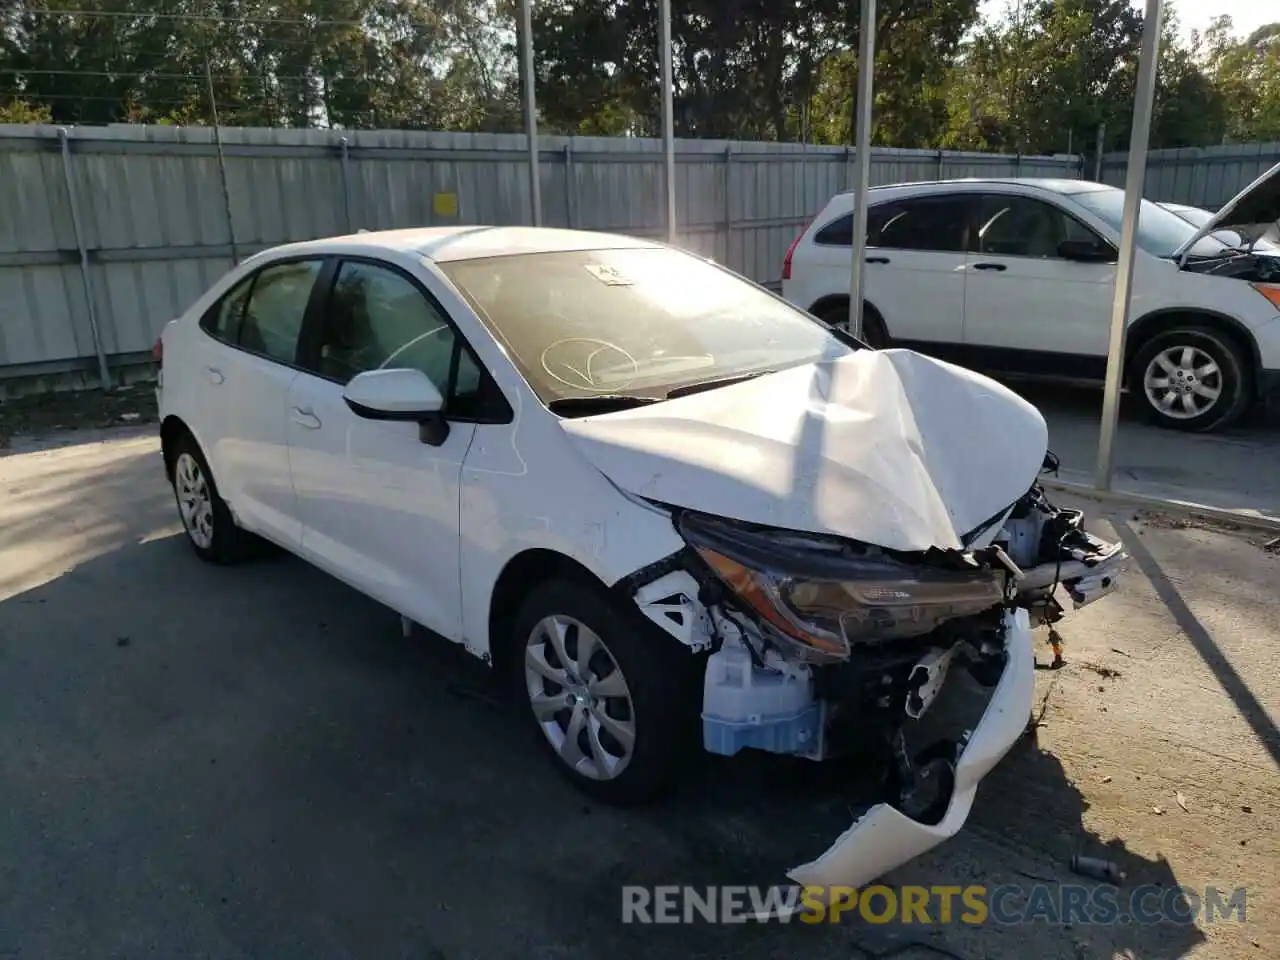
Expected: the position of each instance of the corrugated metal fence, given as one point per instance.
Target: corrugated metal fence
(1201, 176)
(155, 223)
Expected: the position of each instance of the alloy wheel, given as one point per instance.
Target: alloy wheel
(580, 697)
(195, 503)
(1182, 382)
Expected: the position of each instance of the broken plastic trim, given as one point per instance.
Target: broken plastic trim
(885, 838)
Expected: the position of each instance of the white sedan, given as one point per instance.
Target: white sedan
(675, 511)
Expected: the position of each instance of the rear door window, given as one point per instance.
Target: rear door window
(222, 320)
(275, 309)
(937, 224)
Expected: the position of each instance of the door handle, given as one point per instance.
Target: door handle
(877, 259)
(990, 266)
(305, 418)
(213, 375)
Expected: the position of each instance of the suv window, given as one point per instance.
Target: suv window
(277, 303)
(1024, 227)
(377, 318)
(924, 223)
(837, 233)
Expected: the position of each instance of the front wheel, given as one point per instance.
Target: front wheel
(1192, 378)
(612, 698)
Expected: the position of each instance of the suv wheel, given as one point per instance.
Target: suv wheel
(613, 699)
(1192, 378)
(874, 332)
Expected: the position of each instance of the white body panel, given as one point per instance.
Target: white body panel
(1063, 307)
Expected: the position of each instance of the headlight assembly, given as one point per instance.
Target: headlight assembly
(872, 599)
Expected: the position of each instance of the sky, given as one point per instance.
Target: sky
(1247, 15)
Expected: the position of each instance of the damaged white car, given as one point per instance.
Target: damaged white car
(678, 512)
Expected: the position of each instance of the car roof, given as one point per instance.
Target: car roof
(448, 244)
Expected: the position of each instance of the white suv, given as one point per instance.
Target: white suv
(674, 510)
(1017, 276)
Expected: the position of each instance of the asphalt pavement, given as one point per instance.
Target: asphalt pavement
(1237, 469)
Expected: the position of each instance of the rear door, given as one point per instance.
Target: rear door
(914, 273)
(250, 451)
(1027, 308)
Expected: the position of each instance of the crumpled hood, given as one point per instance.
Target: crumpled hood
(885, 447)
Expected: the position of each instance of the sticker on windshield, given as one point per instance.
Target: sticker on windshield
(607, 274)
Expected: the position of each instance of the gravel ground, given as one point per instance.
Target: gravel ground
(253, 762)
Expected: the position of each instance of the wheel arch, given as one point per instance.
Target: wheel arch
(823, 304)
(521, 575)
(172, 429)
(1149, 325)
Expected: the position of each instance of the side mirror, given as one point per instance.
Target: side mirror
(1085, 251)
(399, 395)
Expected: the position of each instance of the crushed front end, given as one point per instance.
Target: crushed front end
(822, 647)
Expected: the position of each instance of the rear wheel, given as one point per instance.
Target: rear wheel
(1192, 378)
(210, 528)
(874, 332)
(612, 698)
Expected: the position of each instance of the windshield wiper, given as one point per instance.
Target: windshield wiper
(598, 403)
(702, 385)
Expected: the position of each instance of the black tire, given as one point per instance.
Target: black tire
(663, 689)
(226, 542)
(874, 332)
(1232, 379)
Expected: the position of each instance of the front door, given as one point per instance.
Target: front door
(1026, 308)
(379, 506)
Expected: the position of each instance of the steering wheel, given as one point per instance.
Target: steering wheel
(579, 371)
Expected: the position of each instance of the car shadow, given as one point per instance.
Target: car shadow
(253, 760)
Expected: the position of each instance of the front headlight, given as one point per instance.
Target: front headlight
(875, 599)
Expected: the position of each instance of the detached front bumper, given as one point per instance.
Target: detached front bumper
(885, 838)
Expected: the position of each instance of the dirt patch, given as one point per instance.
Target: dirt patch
(55, 412)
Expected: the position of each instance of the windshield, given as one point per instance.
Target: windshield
(636, 322)
(1160, 231)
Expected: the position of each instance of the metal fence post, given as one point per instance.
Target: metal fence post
(728, 205)
(86, 281)
(1097, 163)
(570, 183)
(942, 159)
(344, 144)
(1135, 177)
